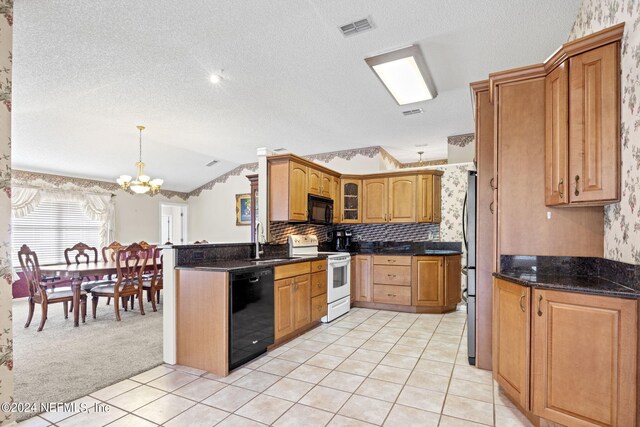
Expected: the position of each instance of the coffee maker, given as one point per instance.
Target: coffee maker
(341, 240)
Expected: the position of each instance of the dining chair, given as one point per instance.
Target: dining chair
(109, 252)
(39, 293)
(132, 261)
(153, 285)
(81, 253)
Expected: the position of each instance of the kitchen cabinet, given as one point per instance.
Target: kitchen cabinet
(392, 280)
(353, 279)
(314, 182)
(594, 126)
(452, 279)
(374, 204)
(364, 283)
(511, 337)
(582, 129)
(335, 195)
(428, 203)
(556, 86)
(293, 290)
(351, 192)
(584, 351)
(436, 282)
(288, 182)
(402, 198)
(318, 289)
(326, 184)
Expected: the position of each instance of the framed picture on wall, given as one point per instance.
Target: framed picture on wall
(243, 209)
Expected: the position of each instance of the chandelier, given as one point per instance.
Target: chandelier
(143, 183)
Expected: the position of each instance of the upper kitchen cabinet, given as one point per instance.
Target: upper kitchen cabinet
(402, 198)
(314, 182)
(326, 183)
(351, 191)
(288, 183)
(335, 195)
(582, 121)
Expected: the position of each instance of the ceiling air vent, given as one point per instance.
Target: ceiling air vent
(412, 112)
(356, 27)
(279, 149)
(211, 163)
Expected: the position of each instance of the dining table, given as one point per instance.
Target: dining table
(78, 271)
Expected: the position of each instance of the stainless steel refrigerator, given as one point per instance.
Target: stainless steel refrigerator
(469, 232)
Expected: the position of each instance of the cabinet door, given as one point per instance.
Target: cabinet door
(364, 285)
(284, 323)
(335, 195)
(428, 281)
(402, 198)
(314, 181)
(437, 199)
(584, 359)
(325, 185)
(452, 279)
(354, 277)
(594, 125)
(511, 333)
(374, 192)
(425, 198)
(297, 192)
(351, 201)
(556, 98)
(318, 283)
(301, 301)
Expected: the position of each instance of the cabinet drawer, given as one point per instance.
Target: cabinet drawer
(318, 307)
(319, 265)
(390, 294)
(318, 283)
(392, 275)
(392, 260)
(290, 270)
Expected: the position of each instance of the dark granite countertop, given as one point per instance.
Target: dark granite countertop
(570, 283)
(407, 252)
(238, 265)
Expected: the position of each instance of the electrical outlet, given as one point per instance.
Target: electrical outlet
(548, 214)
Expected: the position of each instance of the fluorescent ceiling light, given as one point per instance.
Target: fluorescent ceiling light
(405, 75)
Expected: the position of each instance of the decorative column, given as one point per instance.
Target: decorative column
(6, 337)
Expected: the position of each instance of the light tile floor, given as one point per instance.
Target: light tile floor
(369, 368)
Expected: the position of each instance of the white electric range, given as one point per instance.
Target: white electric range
(338, 273)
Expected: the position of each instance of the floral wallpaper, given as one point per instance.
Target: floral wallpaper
(6, 340)
(622, 220)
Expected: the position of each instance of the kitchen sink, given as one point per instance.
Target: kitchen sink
(268, 261)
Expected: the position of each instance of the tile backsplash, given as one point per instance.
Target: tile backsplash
(361, 232)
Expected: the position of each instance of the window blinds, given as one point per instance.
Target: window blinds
(51, 228)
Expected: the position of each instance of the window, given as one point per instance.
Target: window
(51, 228)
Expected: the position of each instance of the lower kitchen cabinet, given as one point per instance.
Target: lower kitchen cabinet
(364, 284)
(566, 357)
(452, 278)
(428, 278)
(292, 298)
(511, 337)
(585, 359)
(318, 294)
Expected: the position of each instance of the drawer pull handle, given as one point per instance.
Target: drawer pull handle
(491, 207)
(493, 187)
(391, 260)
(577, 192)
(391, 276)
(522, 303)
(539, 306)
(391, 295)
(319, 267)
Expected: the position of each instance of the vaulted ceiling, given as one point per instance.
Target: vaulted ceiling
(86, 73)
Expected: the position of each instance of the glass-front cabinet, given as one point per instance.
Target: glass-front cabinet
(351, 201)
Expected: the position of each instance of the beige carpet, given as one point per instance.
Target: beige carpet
(63, 363)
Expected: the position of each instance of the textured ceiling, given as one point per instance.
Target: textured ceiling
(85, 73)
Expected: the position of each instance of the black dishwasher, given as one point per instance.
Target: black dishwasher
(251, 314)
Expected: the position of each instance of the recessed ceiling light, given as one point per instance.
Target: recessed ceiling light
(215, 78)
(404, 73)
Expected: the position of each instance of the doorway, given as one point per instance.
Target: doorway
(173, 223)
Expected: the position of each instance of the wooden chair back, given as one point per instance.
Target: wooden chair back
(109, 252)
(85, 253)
(157, 268)
(132, 262)
(148, 247)
(31, 269)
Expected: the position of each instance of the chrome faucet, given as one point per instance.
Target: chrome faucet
(257, 237)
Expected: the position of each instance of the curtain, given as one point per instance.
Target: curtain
(24, 200)
(98, 207)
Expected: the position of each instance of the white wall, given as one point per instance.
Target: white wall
(138, 217)
(357, 165)
(212, 214)
(461, 154)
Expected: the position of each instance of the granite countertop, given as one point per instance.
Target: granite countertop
(407, 252)
(570, 283)
(245, 264)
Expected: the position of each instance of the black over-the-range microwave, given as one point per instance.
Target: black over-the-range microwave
(320, 210)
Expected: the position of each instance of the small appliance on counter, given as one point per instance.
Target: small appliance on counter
(341, 240)
(338, 273)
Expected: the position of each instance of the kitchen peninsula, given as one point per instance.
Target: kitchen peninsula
(198, 314)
